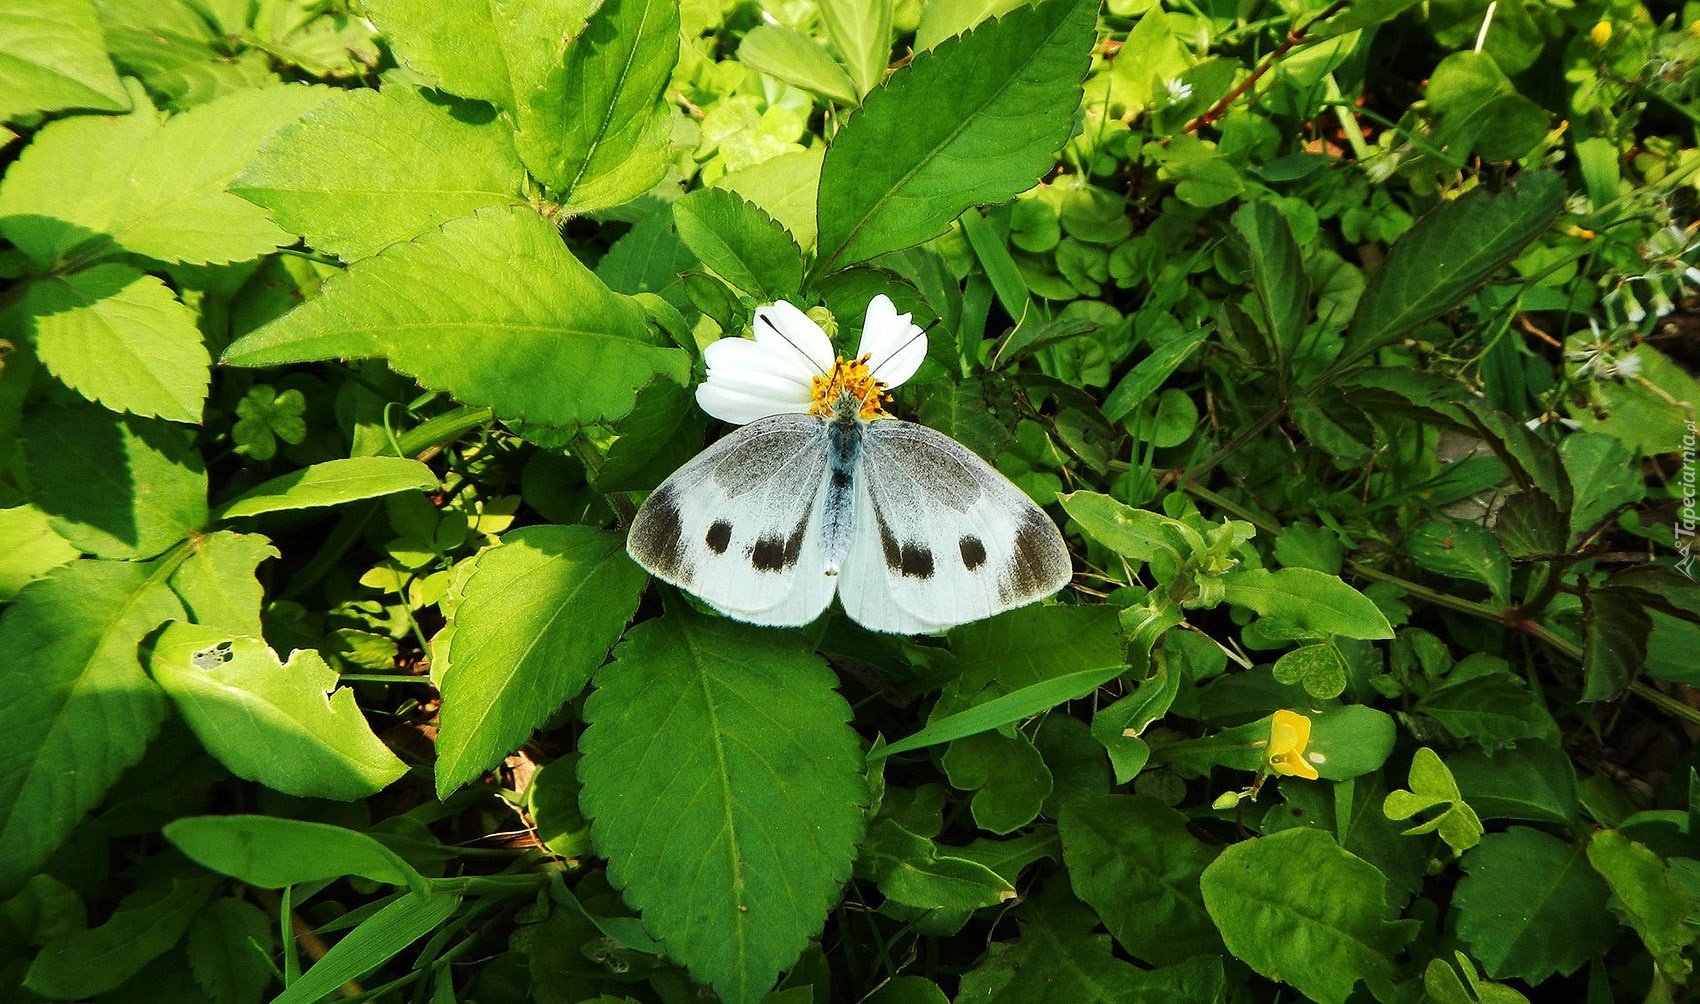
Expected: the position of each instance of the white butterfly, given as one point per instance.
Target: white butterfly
(823, 493)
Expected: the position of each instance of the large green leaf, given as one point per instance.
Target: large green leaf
(1277, 274)
(1133, 860)
(1308, 599)
(976, 120)
(1298, 909)
(287, 726)
(1615, 627)
(93, 186)
(118, 336)
(272, 853)
(79, 708)
(369, 168)
(216, 582)
(52, 56)
(331, 483)
(601, 137)
(116, 486)
(1660, 911)
(726, 792)
(181, 51)
(788, 55)
(1448, 253)
(146, 925)
(492, 308)
(742, 244)
(1530, 906)
(535, 620)
(861, 29)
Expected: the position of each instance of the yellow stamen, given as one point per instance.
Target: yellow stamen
(849, 376)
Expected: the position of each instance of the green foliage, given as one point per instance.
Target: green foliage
(1346, 348)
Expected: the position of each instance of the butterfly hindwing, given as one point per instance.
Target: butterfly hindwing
(739, 524)
(941, 538)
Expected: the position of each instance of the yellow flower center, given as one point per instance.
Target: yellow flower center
(849, 377)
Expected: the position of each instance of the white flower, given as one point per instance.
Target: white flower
(1179, 90)
(1629, 366)
(790, 366)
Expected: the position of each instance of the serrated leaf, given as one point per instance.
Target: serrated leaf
(147, 924)
(332, 483)
(535, 620)
(976, 120)
(180, 52)
(1606, 474)
(1494, 709)
(227, 948)
(1529, 906)
(90, 187)
(1530, 525)
(493, 309)
(742, 244)
(31, 547)
(116, 486)
(1308, 599)
(286, 726)
(731, 827)
(1297, 908)
(1462, 550)
(80, 710)
(1132, 859)
(1277, 274)
(1614, 642)
(52, 57)
(216, 582)
(369, 168)
(273, 853)
(607, 141)
(788, 55)
(120, 337)
(379, 938)
(1448, 253)
(662, 433)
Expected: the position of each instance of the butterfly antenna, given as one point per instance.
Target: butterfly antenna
(917, 336)
(763, 319)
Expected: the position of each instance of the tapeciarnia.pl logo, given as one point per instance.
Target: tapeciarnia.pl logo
(1686, 517)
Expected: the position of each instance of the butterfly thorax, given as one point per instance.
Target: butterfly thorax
(849, 389)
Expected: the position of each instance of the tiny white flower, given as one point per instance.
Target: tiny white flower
(1661, 303)
(1629, 366)
(790, 367)
(1179, 90)
(1692, 274)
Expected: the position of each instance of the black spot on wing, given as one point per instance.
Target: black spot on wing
(903, 557)
(917, 561)
(768, 554)
(973, 552)
(1034, 567)
(655, 539)
(794, 543)
(719, 536)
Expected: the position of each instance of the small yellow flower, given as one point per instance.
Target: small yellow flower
(1600, 34)
(1288, 734)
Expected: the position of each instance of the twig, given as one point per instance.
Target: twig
(1295, 36)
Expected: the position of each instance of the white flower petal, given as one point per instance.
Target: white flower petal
(895, 347)
(742, 405)
(789, 333)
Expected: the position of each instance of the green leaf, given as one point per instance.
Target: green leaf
(1531, 781)
(742, 244)
(510, 303)
(1132, 533)
(119, 337)
(379, 938)
(332, 483)
(1298, 909)
(369, 168)
(1614, 642)
(228, 948)
(1148, 375)
(1604, 471)
(911, 870)
(1532, 526)
(1431, 786)
(535, 620)
(92, 186)
(1642, 894)
(216, 581)
(1133, 859)
(148, 923)
(1345, 742)
(180, 52)
(1059, 959)
(1494, 709)
(976, 120)
(1529, 906)
(80, 710)
(1481, 112)
(1007, 775)
(1319, 668)
(1307, 599)
(31, 547)
(1352, 812)
(608, 143)
(1448, 253)
(273, 853)
(116, 486)
(788, 55)
(1277, 274)
(861, 30)
(1462, 550)
(52, 57)
(941, 19)
(268, 721)
(730, 828)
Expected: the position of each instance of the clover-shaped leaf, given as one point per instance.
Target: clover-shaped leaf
(1432, 785)
(264, 416)
(1318, 667)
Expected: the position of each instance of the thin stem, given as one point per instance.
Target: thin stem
(1295, 37)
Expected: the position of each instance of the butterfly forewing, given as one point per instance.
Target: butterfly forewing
(739, 524)
(941, 538)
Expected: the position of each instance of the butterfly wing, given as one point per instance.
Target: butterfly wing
(941, 538)
(739, 524)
